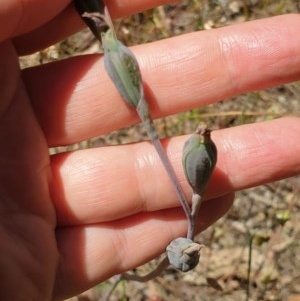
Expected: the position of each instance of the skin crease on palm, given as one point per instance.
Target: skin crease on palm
(68, 222)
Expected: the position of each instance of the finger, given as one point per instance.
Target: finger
(68, 22)
(109, 183)
(18, 17)
(74, 99)
(103, 250)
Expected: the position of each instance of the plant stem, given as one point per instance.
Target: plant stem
(143, 111)
(133, 277)
(196, 204)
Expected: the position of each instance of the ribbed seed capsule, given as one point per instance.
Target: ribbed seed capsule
(122, 68)
(183, 254)
(199, 159)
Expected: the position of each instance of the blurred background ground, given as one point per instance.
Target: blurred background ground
(266, 217)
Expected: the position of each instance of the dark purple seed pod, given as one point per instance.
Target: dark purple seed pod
(199, 159)
(91, 7)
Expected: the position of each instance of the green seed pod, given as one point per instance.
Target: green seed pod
(199, 159)
(123, 69)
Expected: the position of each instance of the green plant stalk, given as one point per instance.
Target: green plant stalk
(249, 267)
(196, 204)
(140, 278)
(144, 114)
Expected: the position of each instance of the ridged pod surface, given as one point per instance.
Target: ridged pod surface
(123, 69)
(183, 254)
(199, 159)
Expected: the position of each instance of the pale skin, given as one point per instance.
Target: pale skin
(61, 229)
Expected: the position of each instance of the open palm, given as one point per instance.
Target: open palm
(75, 219)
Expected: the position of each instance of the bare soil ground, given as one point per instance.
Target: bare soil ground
(262, 229)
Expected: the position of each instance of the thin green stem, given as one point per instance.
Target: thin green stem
(196, 204)
(140, 278)
(249, 267)
(144, 278)
(143, 112)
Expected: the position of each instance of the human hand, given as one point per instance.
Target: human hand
(75, 219)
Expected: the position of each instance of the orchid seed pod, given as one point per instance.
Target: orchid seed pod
(183, 254)
(199, 159)
(123, 69)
